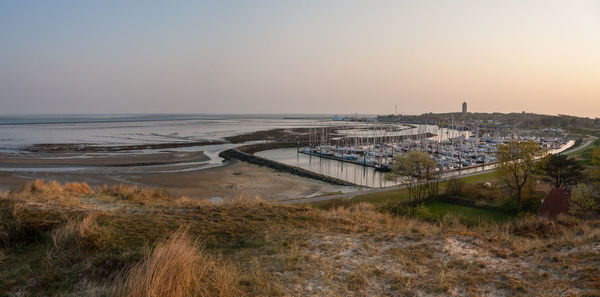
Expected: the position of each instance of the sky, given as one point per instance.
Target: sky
(337, 57)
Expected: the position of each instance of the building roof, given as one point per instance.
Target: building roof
(556, 203)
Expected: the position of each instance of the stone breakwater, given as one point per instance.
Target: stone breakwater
(250, 158)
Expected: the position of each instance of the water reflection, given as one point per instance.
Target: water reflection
(354, 173)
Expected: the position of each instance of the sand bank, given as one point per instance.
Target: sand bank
(231, 181)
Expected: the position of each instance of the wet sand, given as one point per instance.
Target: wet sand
(99, 159)
(236, 179)
(181, 173)
(94, 148)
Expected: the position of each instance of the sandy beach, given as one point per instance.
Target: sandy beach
(179, 167)
(232, 180)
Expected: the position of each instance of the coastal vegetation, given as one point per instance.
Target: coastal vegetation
(75, 240)
(516, 165)
(493, 190)
(418, 172)
(560, 170)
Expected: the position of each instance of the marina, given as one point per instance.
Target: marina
(366, 176)
(365, 153)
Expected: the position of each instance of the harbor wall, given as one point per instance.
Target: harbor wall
(250, 158)
(257, 147)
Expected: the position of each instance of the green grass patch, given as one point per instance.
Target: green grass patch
(479, 178)
(584, 156)
(382, 197)
(402, 194)
(471, 216)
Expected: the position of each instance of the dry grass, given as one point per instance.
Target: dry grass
(41, 186)
(145, 197)
(16, 225)
(178, 267)
(275, 250)
(74, 239)
(78, 188)
(192, 202)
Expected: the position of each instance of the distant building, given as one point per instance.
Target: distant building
(464, 109)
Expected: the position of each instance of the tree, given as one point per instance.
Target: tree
(582, 202)
(419, 173)
(517, 163)
(594, 171)
(596, 162)
(561, 171)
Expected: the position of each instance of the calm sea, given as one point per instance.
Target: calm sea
(19, 131)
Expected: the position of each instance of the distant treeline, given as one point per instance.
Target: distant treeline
(522, 120)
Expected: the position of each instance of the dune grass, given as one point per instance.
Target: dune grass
(178, 267)
(126, 241)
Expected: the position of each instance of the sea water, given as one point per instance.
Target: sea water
(115, 130)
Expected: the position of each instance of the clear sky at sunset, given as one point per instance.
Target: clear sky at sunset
(299, 56)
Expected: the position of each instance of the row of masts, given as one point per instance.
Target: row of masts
(376, 144)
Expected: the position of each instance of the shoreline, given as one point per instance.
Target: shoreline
(188, 173)
(95, 148)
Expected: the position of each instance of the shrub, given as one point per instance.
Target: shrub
(179, 268)
(477, 192)
(423, 212)
(397, 208)
(531, 203)
(582, 202)
(508, 205)
(451, 219)
(482, 193)
(533, 227)
(455, 187)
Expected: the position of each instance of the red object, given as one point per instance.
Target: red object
(557, 202)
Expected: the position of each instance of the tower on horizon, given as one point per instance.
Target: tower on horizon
(464, 109)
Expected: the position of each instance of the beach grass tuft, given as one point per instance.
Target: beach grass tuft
(179, 267)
